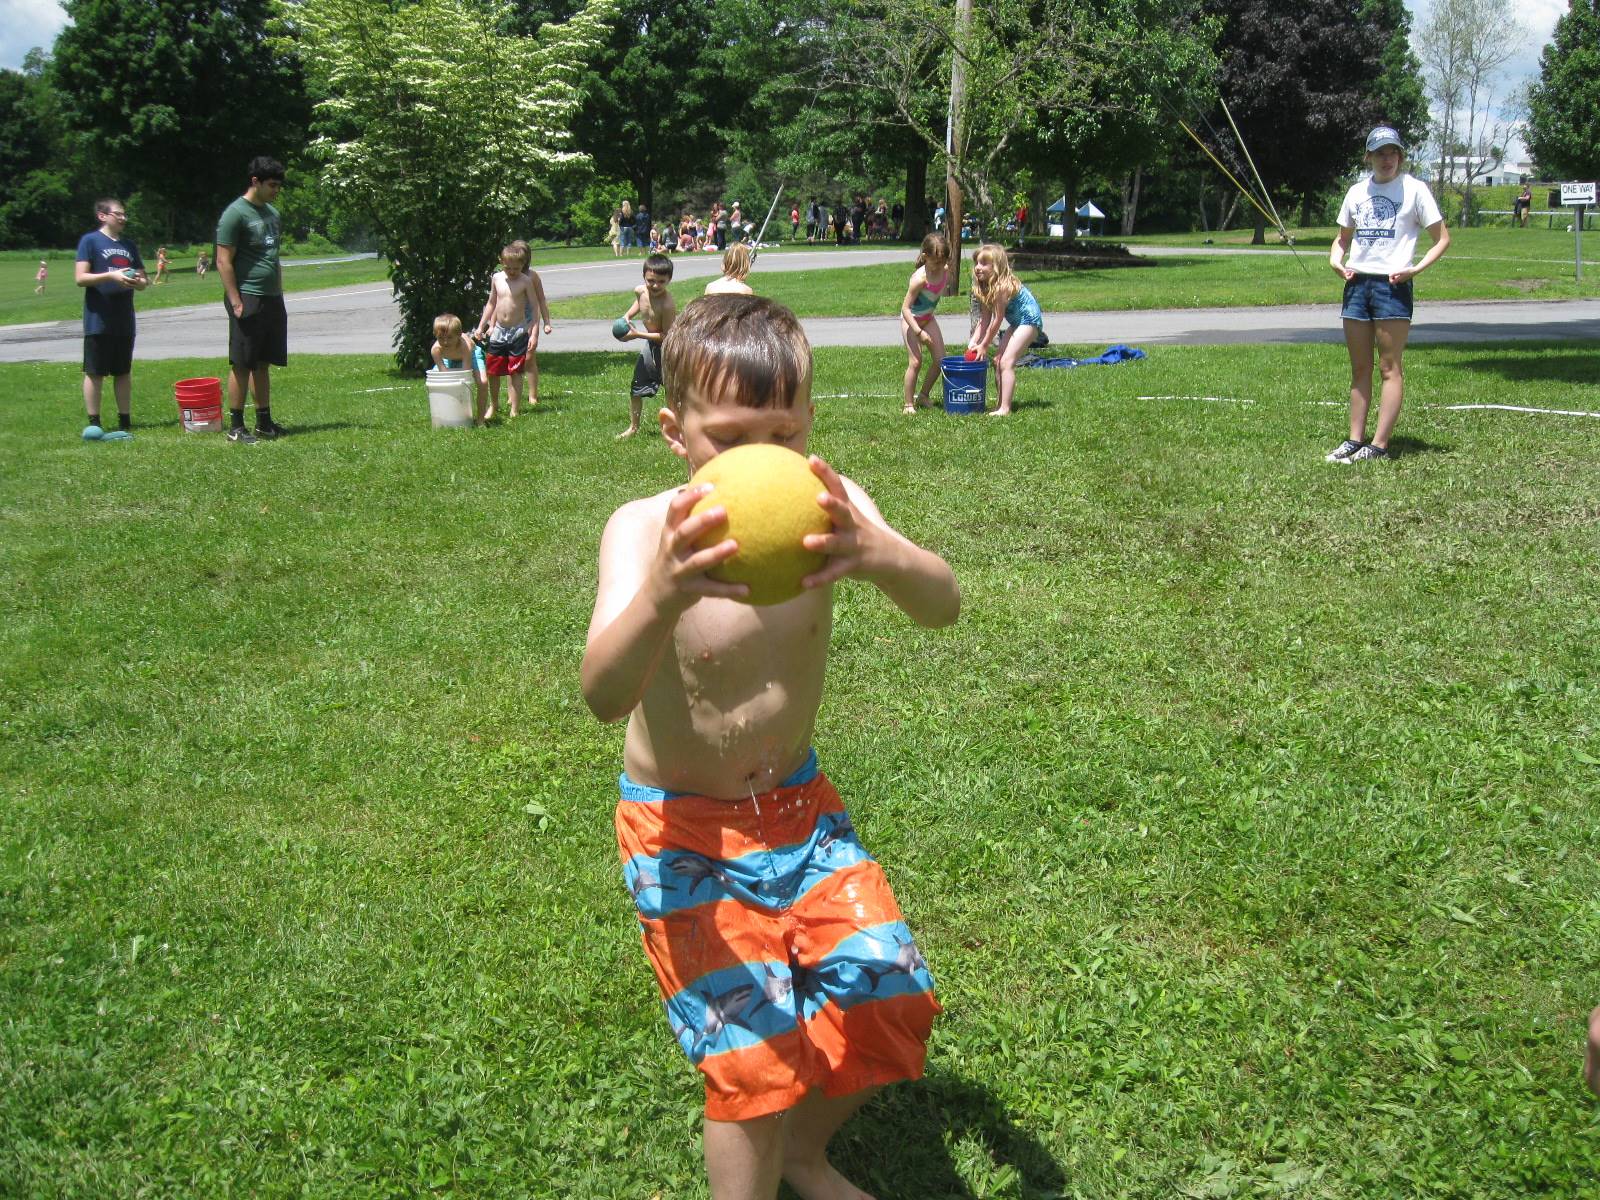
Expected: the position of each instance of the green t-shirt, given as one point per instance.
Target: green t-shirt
(254, 231)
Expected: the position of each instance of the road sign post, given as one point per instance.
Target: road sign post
(1578, 196)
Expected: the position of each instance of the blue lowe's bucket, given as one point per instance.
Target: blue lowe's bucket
(964, 384)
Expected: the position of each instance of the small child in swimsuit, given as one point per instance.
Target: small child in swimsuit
(509, 330)
(1000, 295)
(44, 273)
(918, 328)
(655, 308)
(787, 971)
(455, 350)
(736, 263)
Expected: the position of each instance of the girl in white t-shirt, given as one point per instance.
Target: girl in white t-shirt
(1378, 226)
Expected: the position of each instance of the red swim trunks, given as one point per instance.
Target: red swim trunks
(782, 956)
(506, 352)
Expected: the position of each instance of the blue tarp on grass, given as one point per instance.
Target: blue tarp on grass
(1113, 354)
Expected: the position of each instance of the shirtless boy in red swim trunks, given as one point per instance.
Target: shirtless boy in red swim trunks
(789, 976)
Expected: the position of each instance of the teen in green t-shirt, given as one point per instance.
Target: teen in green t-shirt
(248, 239)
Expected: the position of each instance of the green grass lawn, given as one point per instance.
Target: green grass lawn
(1483, 264)
(1246, 818)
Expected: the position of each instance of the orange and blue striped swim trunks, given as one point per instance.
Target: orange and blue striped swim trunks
(782, 956)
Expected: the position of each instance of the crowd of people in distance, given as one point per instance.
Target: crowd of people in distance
(634, 229)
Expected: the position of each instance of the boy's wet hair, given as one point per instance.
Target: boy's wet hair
(744, 350)
(736, 261)
(659, 263)
(517, 250)
(446, 325)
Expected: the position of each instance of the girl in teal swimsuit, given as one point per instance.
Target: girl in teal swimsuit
(1002, 297)
(918, 329)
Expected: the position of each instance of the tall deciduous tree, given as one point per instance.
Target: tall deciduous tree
(439, 131)
(40, 186)
(1564, 105)
(174, 97)
(1464, 45)
(1303, 83)
(657, 96)
(1030, 66)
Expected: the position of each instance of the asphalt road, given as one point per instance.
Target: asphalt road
(361, 319)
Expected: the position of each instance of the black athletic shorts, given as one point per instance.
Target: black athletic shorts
(261, 336)
(107, 354)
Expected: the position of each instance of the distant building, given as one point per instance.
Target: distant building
(1487, 174)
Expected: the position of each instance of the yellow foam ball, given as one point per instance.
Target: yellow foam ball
(771, 498)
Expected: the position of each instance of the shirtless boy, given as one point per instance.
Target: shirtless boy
(789, 976)
(654, 308)
(508, 330)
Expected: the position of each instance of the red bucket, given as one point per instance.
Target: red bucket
(199, 404)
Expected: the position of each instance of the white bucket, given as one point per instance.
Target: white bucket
(450, 396)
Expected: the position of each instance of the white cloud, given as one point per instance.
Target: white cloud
(1538, 21)
(25, 24)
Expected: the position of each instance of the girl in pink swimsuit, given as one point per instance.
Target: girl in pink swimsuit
(918, 329)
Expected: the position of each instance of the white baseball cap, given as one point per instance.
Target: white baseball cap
(1384, 135)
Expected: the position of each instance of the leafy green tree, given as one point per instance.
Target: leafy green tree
(1564, 105)
(45, 192)
(1041, 76)
(1303, 83)
(1154, 58)
(174, 97)
(657, 98)
(1399, 94)
(438, 130)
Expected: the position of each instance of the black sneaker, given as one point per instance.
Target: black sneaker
(1368, 453)
(267, 433)
(241, 435)
(1343, 451)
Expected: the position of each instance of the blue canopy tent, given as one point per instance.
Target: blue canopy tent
(1087, 212)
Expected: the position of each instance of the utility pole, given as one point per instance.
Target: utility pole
(954, 137)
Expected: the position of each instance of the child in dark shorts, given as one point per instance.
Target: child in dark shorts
(110, 271)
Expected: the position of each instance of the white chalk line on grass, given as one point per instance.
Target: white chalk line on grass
(1554, 412)
(1517, 408)
(1207, 399)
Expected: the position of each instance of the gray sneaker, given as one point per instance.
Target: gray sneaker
(1343, 451)
(241, 435)
(1368, 453)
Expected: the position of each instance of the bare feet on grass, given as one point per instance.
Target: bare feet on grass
(628, 432)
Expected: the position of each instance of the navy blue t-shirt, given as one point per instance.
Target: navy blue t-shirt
(108, 307)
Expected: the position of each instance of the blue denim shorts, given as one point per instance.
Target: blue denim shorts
(1374, 298)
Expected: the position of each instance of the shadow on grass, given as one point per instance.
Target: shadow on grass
(1525, 365)
(1405, 447)
(905, 1143)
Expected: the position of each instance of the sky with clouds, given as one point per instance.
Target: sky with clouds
(28, 23)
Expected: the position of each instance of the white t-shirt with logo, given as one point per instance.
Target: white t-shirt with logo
(1387, 218)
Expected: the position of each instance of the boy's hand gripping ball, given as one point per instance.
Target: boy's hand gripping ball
(770, 495)
(621, 328)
